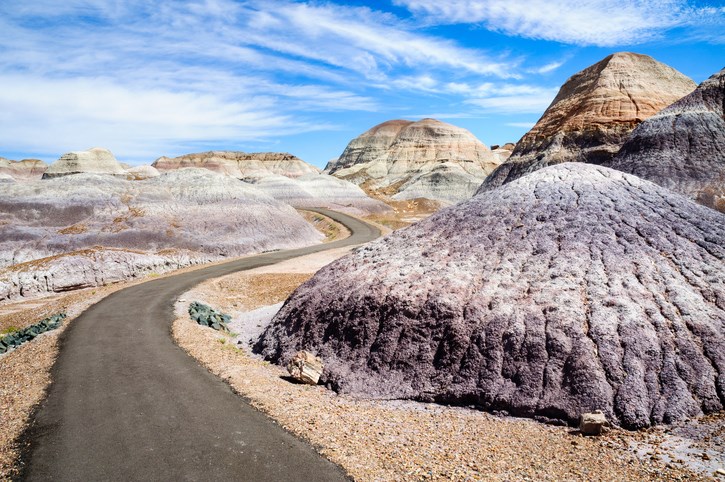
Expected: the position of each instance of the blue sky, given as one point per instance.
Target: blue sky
(151, 78)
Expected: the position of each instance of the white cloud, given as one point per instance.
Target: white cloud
(514, 99)
(145, 76)
(590, 22)
(360, 39)
(142, 124)
(545, 69)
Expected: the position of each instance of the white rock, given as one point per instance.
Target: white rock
(93, 161)
(592, 423)
(306, 368)
(139, 173)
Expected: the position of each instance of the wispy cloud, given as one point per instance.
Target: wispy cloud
(150, 75)
(545, 69)
(153, 122)
(504, 98)
(521, 125)
(360, 39)
(591, 22)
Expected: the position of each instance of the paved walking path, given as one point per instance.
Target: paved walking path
(126, 403)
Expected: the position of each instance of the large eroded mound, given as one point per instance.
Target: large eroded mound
(575, 288)
(593, 113)
(407, 160)
(683, 147)
(190, 209)
(283, 176)
(319, 190)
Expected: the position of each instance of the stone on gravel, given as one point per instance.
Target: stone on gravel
(683, 147)
(593, 113)
(93, 161)
(407, 160)
(305, 367)
(592, 423)
(574, 288)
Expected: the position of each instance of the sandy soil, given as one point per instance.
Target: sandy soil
(393, 440)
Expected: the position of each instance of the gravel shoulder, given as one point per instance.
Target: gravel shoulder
(393, 440)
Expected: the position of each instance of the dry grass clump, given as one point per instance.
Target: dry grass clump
(78, 228)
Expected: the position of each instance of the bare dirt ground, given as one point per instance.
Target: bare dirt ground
(393, 440)
(404, 212)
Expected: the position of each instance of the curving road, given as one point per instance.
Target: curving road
(126, 403)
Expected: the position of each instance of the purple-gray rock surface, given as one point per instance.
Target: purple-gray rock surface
(683, 147)
(572, 289)
(179, 218)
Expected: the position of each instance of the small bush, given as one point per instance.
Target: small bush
(206, 316)
(17, 337)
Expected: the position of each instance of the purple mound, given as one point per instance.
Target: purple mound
(683, 147)
(574, 288)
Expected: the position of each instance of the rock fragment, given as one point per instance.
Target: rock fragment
(92, 161)
(592, 423)
(207, 316)
(305, 367)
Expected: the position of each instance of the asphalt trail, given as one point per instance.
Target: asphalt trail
(126, 403)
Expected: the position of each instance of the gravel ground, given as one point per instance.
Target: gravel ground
(393, 440)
